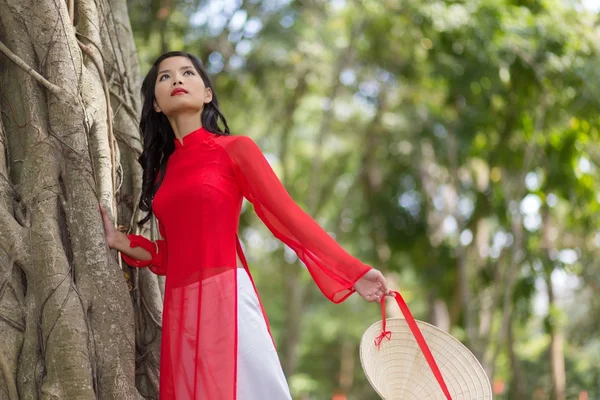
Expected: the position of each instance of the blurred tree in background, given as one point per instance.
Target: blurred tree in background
(454, 145)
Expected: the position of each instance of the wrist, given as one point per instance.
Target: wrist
(121, 241)
(365, 270)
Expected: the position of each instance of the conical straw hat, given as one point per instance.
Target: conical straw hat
(398, 370)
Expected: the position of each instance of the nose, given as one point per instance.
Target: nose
(177, 81)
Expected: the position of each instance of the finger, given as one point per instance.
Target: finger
(383, 283)
(372, 298)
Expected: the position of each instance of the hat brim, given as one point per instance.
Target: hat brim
(398, 370)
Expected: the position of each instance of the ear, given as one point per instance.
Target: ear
(156, 107)
(208, 95)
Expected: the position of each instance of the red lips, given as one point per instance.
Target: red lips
(178, 90)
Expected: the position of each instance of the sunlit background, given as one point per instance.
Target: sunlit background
(453, 145)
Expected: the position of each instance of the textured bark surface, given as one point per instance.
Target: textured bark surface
(74, 323)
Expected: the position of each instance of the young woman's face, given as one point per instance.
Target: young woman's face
(179, 88)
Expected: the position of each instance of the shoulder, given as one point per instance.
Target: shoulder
(239, 145)
(236, 140)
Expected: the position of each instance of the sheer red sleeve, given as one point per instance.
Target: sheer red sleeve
(157, 248)
(332, 268)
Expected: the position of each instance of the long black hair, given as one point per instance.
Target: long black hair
(158, 136)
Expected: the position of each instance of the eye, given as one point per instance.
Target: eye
(190, 71)
(162, 77)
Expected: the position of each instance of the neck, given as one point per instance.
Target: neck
(184, 124)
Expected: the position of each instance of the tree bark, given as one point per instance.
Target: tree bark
(71, 331)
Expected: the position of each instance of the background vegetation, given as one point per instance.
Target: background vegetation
(454, 145)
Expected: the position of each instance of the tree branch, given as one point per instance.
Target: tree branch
(13, 394)
(126, 106)
(12, 237)
(109, 116)
(72, 11)
(23, 65)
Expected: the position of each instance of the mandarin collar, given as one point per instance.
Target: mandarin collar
(197, 136)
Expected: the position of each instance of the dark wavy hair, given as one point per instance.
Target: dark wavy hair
(158, 136)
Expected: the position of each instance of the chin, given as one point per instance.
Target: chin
(183, 109)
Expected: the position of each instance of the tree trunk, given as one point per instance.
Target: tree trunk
(347, 364)
(438, 311)
(71, 332)
(557, 356)
(518, 386)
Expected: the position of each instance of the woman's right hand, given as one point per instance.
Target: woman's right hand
(109, 228)
(119, 241)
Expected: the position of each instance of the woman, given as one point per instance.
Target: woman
(216, 344)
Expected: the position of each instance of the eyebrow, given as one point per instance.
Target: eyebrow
(168, 70)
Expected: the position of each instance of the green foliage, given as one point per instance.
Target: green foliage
(450, 136)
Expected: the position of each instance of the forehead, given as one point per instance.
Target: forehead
(173, 63)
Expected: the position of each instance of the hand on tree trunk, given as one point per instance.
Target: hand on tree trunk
(109, 228)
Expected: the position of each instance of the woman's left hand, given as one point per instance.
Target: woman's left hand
(372, 286)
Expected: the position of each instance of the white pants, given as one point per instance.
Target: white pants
(259, 372)
(260, 375)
